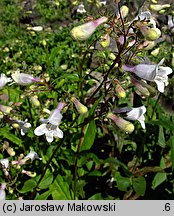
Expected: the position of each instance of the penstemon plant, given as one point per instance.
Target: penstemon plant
(82, 114)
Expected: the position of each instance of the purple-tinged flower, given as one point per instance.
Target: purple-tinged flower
(133, 114)
(23, 78)
(29, 173)
(50, 126)
(9, 150)
(82, 109)
(119, 89)
(142, 88)
(31, 156)
(4, 80)
(2, 191)
(5, 109)
(124, 125)
(155, 73)
(84, 31)
(150, 34)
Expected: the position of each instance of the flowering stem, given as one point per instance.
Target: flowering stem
(46, 167)
(76, 159)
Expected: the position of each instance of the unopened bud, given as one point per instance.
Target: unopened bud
(146, 45)
(155, 52)
(105, 40)
(5, 109)
(44, 42)
(112, 56)
(172, 59)
(119, 90)
(79, 106)
(121, 123)
(124, 11)
(150, 34)
(10, 151)
(84, 31)
(30, 174)
(158, 7)
(35, 101)
(35, 28)
(143, 88)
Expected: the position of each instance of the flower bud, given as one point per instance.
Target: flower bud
(35, 28)
(35, 101)
(121, 123)
(30, 174)
(119, 90)
(79, 106)
(143, 88)
(172, 59)
(5, 109)
(147, 45)
(124, 11)
(9, 150)
(150, 34)
(105, 40)
(158, 7)
(155, 52)
(84, 31)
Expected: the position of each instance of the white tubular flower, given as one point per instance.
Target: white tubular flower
(84, 31)
(4, 163)
(3, 80)
(2, 191)
(23, 78)
(81, 8)
(154, 73)
(146, 16)
(32, 155)
(23, 125)
(50, 126)
(137, 114)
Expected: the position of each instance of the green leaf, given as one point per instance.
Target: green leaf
(28, 186)
(172, 150)
(60, 189)
(91, 111)
(43, 196)
(46, 181)
(97, 196)
(5, 133)
(139, 185)
(95, 173)
(161, 138)
(165, 123)
(123, 183)
(158, 179)
(89, 136)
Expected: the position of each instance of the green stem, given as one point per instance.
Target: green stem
(76, 160)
